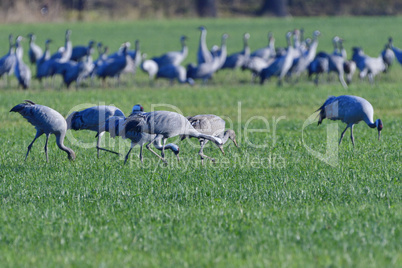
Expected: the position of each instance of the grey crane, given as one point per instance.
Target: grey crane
(149, 66)
(350, 110)
(213, 125)
(115, 125)
(173, 57)
(367, 65)
(8, 61)
(79, 53)
(172, 72)
(92, 119)
(44, 64)
(281, 65)
(237, 60)
(203, 54)
(114, 65)
(64, 54)
(397, 51)
(77, 71)
(325, 62)
(46, 121)
(22, 71)
(266, 52)
(165, 124)
(207, 69)
(34, 52)
(302, 63)
(136, 54)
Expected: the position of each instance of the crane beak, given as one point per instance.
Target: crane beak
(379, 134)
(221, 148)
(235, 143)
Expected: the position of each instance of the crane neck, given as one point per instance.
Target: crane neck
(60, 144)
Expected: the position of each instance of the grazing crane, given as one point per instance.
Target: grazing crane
(165, 124)
(237, 60)
(92, 119)
(115, 125)
(34, 52)
(46, 121)
(267, 52)
(213, 125)
(203, 54)
(350, 110)
(173, 57)
(79, 53)
(281, 65)
(22, 71)
(7, 62)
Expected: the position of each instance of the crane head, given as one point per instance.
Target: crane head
(379, 126)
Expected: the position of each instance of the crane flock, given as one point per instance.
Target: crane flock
(75, 63)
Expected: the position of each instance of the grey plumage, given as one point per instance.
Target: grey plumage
(237, 60)
(350, 110)
(173, 57)
(34, 52)
(165, 124)
(207, 69)
(116, 127)
(8, 61)
(281, 65)
(213, 125)
(46, 121)
(22, 71)
(203, 54)
(92, 119)
(267, 52)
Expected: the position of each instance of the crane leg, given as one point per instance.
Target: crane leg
(126, 158)
(47, 139)
(100, 148)
(38, 134)
(141, 156)
(201, 152)
(152, 151)
(351, 136)
(343, 133)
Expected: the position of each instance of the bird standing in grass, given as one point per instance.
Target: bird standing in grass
(116, 127)
(165, 124)
(213, 125)
(92, 119)
(46, 121)
(350, 110)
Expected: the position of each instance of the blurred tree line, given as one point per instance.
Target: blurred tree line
(36, 10)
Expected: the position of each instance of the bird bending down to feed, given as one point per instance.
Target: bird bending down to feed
(92, 119)
(46, 121)
(115, 126)
(350, 110)
(165, 124)
(213, 125)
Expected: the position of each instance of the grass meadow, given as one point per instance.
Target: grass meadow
(269, 203)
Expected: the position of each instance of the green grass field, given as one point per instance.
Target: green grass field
(267, 204)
